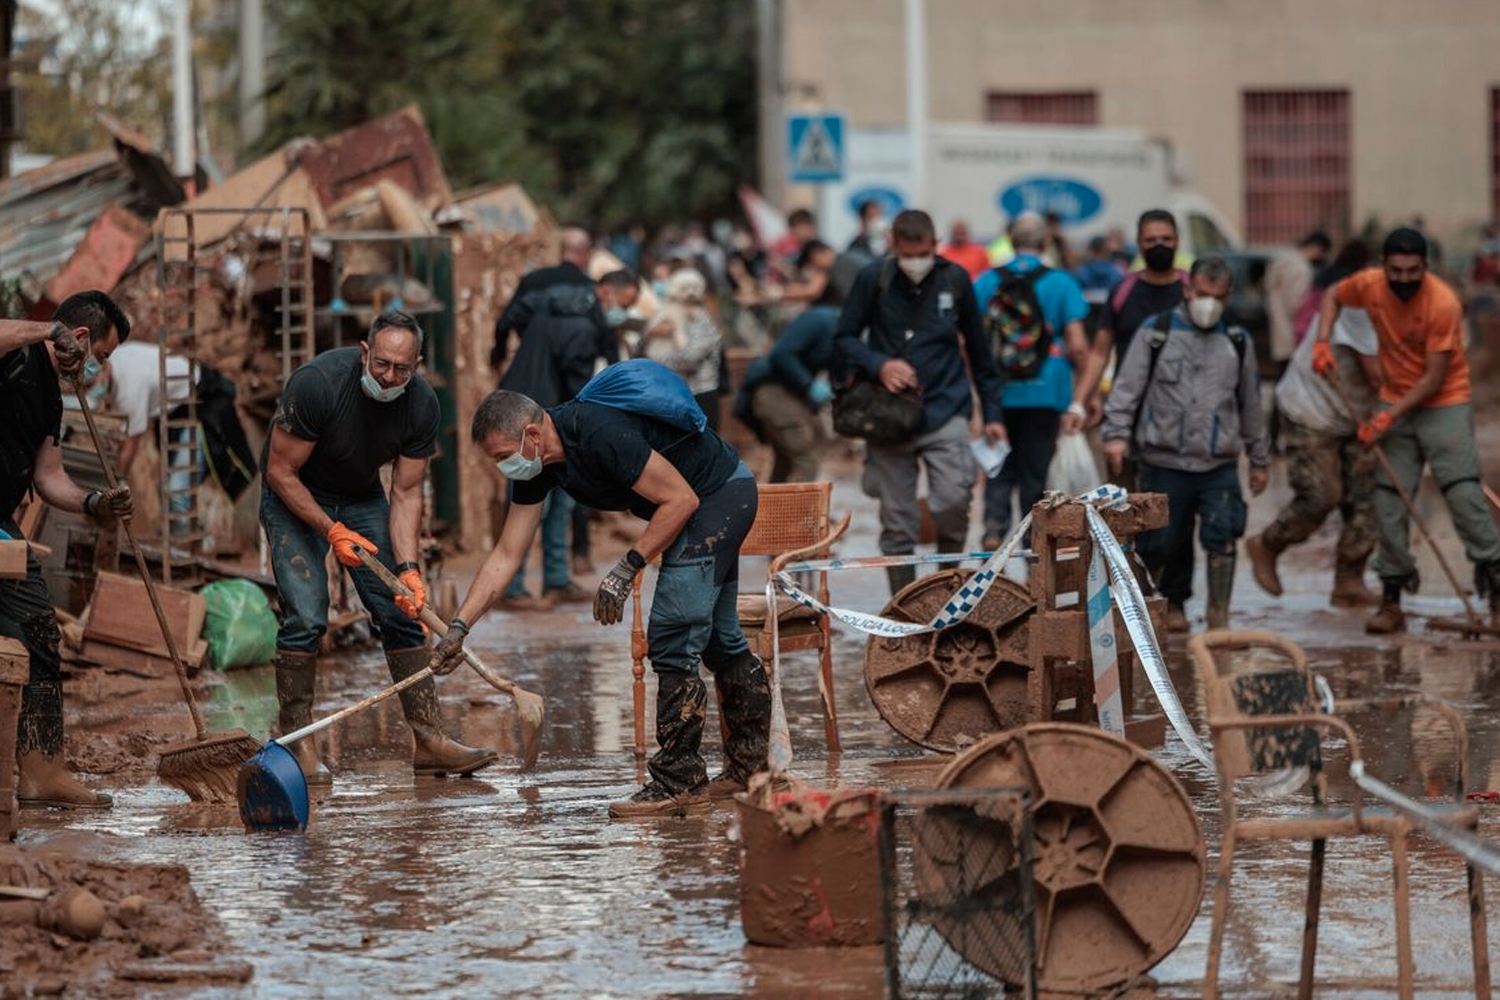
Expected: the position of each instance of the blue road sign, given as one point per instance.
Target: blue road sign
(815, 148)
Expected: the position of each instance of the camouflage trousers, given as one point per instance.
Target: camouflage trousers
(1326, 472)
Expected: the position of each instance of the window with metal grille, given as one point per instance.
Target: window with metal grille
(1073, 107)
(1495, 151)
(1296, 163)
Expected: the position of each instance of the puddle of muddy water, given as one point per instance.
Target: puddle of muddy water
(517, 885)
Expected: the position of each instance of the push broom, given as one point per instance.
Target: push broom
(206, 768)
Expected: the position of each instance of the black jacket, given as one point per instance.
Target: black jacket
(563, 334)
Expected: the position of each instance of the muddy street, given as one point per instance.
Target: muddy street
(517, 884)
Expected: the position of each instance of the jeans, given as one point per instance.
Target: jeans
(26, 614)
(557, 518)
(1032, 433)
(694, 607)
(298, 558)
(1213, 498)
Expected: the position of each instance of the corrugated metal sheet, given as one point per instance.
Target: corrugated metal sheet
(1296, 164)
(45, 213)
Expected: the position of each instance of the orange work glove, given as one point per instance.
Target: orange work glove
(412, 606)
(1322, 359)
(344, 540)
(1371, 430)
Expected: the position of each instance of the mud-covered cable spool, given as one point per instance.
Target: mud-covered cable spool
(1118, 858)
(947, 690)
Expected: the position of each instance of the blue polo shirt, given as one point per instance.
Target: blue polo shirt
(1062, 303)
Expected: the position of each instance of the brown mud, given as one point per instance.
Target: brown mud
(517, 885)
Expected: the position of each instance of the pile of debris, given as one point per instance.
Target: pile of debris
(95, 929)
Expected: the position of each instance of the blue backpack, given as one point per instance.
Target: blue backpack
(648, 389)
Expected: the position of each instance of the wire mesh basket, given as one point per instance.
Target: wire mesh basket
(959, 908)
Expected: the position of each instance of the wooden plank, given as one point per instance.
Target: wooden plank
(134, 661)
(120, 614)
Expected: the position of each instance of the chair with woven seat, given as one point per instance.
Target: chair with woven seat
(791, 525)
(1265, 717)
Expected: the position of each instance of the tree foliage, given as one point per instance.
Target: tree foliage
(609, 111)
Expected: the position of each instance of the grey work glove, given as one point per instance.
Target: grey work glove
(107, 505)
(449, 652)
(69, 352)
(614, 589)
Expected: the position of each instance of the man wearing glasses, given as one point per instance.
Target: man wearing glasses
(342, 417)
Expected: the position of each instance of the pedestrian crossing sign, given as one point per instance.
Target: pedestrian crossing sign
(815, 148)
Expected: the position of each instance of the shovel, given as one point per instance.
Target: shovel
(272, 789)
(530, 711)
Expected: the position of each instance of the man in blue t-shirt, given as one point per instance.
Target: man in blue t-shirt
(1035, 408)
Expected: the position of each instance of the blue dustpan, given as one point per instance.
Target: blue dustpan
(272, 791)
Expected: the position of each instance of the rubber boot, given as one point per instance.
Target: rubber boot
(1263, 557)
(432, 751)
(679, 779)
(46, 782)
(1487, 585)
(1177, 620)
(1220, 588)
(1388, 618)
(900, 577)
(1349, 589)
(745, 700)
(296, 678)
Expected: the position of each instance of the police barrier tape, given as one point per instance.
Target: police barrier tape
(1123, 589)
(1462, 842)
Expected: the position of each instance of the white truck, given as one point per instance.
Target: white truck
(1093, 178)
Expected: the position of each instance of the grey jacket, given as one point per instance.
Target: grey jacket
(1202, 407)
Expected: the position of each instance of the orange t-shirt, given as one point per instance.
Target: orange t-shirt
(972, 257)
(1431, 323)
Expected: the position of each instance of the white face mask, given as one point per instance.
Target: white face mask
(518, 467)
(1205, 312)
(916, 268)
(378, 392)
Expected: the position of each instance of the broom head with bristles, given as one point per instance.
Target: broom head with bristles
(208, 769)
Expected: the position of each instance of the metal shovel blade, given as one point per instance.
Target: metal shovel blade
(272, 791)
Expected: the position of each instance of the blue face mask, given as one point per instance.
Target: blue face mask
(518, 466)
(378, 392)
(91, 368)
(615, 316)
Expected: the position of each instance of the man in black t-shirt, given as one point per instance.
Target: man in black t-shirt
(31, 355)
(1155, 291)
(342, 417)
(698, 500)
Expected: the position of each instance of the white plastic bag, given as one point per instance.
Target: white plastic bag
(1073, 469)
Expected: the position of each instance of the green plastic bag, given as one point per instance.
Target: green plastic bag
(240, 627)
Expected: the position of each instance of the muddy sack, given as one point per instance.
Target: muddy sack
(240, 627)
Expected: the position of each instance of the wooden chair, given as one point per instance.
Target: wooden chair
(791, 525)
(1267, 717)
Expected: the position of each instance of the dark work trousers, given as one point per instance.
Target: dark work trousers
(1211, 498)
(1032, 433)
(26, 614)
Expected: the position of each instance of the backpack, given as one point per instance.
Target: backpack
(1019, 334)
(647, 389)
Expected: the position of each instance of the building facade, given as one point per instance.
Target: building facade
(1286, 114)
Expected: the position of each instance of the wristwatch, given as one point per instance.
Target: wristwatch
(636, 560)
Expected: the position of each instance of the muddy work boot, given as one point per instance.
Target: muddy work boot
(1220, 588)
(46, 782)
(1388, 618)
(296, 677)
(432, 752)
(1177, 619)
(1349, 589)
(679, 780)
(1487, 585)
(745, 700)
(1263, 557)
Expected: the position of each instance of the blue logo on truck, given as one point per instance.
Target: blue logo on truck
(889, 200)
(1071, 200)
